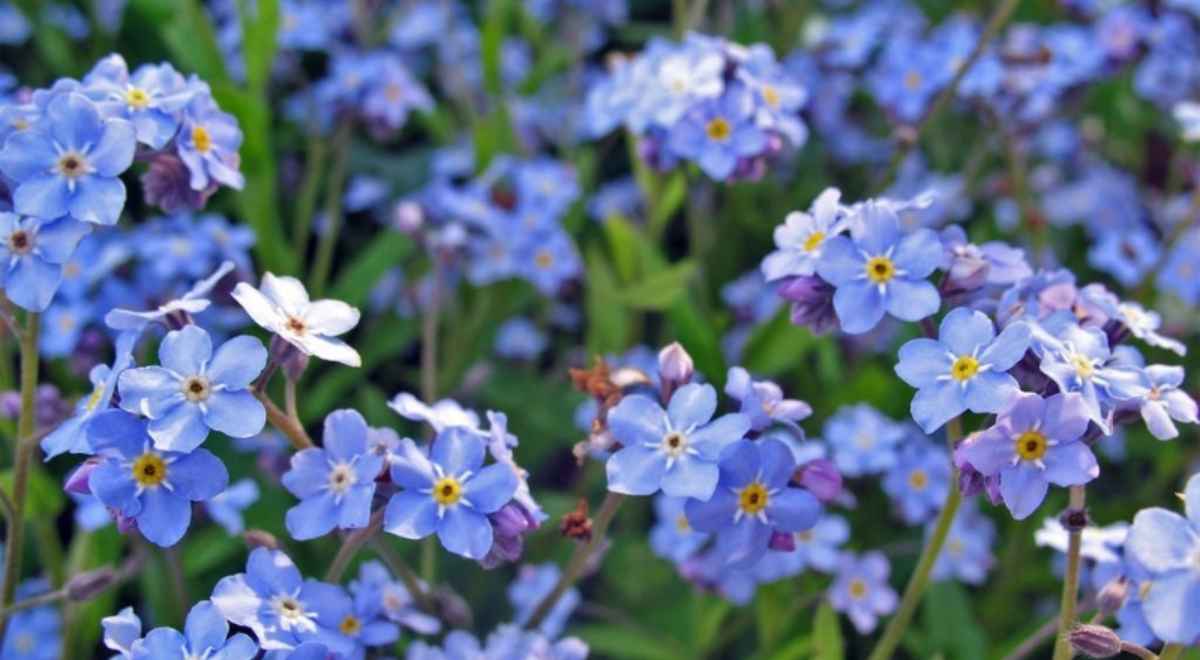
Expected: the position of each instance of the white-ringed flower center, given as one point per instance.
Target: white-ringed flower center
(718, 129)
(291, 613)
(295, 325)
(814, 241)
(1031, 445)
(341, 478)
(72, 165)
(675, 444)
(137, 98)
(964, 368)
(753, 498)
(149, 470)
(1085, 368)
(770, 95)
(447, 491)
(350, 626)
(881, 269)
(196, 389)
(857, 589)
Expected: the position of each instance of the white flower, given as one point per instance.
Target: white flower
(1187, 114)
(282, 306)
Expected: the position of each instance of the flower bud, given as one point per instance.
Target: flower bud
(167, 185)
(257, 538)
(509, 526)
(1074, 520)
(1112, 596)
(1095, 641)
(452, 608)
(86, 586)
(812, 303)
(408, 217)
(675, 366)
(77, 482)
(822, 478)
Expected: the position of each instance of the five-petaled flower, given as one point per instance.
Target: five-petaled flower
(282, 306)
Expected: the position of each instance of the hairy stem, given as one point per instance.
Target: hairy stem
(350, 546)
(287, 425)
(886, 646)
(1070, 591)
(579, 560)
(22, 463)
(333, 210)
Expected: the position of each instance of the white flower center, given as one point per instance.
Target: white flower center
(341, 478)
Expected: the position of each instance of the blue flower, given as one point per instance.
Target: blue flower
(63, 323)
(151, 99)
(919, 481)
(353, 624)
(70, 435)
(752, 500)
(192, 302)
(156, 488)
(226, 507)
(673, 536)
(1035, 443)
(675, 450)
(70, 162)
(800, 241)
(34, 251)
(519, 338)
(967, 552)
(719, 134)
(964, 369)
(447, 492)
(531, 586)
(881, 270)
(205, 635)
(548, 259)
(817, 549)
(1164, 400)
(1127, 255)
(863, 440)
(208, 143)
(33, 634)
(274, 601)
(861, 589)
(121, 630)
(376, 590)
(195, 390)
(762, 401)
(1167, 546)
(1078, 360)
(336, 483)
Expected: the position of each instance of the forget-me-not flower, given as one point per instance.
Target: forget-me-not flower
(762, 401)
(32, 254)
(226, 507)
(919, 481)
(208, 143)
(151, 99)
(863, 440)
(1167, 546)
(1079, 360)
(861, 589)
(195, 390)
(1164, 401)
(205, 635)
(675, 450)
(718, 134)
(965, 368)
(672, 536)
(534, 583)
(335, 483)
(800, 240)
(281, 305)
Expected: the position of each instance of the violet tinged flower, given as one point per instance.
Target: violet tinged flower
(1127, 255)
(1034, 443)
(205, 635)
(753, 499)
(762, 401)
(167, 184)
(208, 143)
(281, 305)
(1167, 546)
(155, 488)
(335, 483)
(151, 99)
(861, 590)
(673, 536)
(33, 252)
(919, 481)
(196, 390)
(274, 601)
(1164, 400)
(969, 267)
(177, 311)
(70, 163)
(720, 134)
(226, 507)
(448, 492)
(518, 338)
(1079, 360)
(376, 590)
(534, 583)
(70, 436)
(965, 368)
(881, 270)
(863, 440)
(675, 450)
(801, 239)
(812, 303)
(967, 553)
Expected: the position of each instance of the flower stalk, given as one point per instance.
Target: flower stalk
(22, 464)
(1067, 614)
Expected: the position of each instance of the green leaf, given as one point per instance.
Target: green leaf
(670, 198)
(207, 549)
(950, 625)
(260, 21)
(711, 613)
(617, 642)
(44, 499)
(628, 248)
(608, 328)
(700, 337)
(800, 647)
(777, 346)
(660, 290)
(772, 613)
(495, 25)
(90, 550)
(191, 37)
(827, 635)
(355, 282)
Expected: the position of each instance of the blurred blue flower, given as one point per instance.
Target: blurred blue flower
(967, 552)
(155, 488)
(675, 450)
(863, 440)
(352, 624)
(534, 583)
(34, 251)
(226, 507)
(1167, 545)
(1126, 255)
(672, 536)
(518, 338)
(919, 481)
(861, 590)
(376, 588)
(719, 134)
(196, 390)
(336, 482)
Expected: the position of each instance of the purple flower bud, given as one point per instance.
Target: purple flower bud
(77, 482)
(509, 526)
(1095, 641)
(167, 185)
(675, 367)
(125, 524)
(408, 217)
(822, 478)
(782, 542)
(86, 586)
(452, 608)
(812, 302)
(285, 356)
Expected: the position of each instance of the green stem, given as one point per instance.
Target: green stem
(307, 201)
(579, 559)
(429, 392)
(333, 209)
(1070, 590)
(400, 569)
(886, 646)
(354, 541)
(22, 463)
(1171, 652)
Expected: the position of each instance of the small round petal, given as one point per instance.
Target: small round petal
(286, 292)
(164, 517)
(205, 626)
(238, 362)
(1008, 348)
(1171, 605)
(239, 647)
(1162, 541)
(313, 517)
(114, 486)
(33, 283)
(637, 420)
(185, 351)
(181, 429)
(964, 329)
(714, 514)
(922, 361)
(198, 476)
(309, 473)
(691, 477)
(793, 510)
(778, 462)
(345, 434)
(44, 196)
(411, 515)
(465, 532)
(236, 414)
(934, 406)
(269, 571)
(990, 391)
(113, 154)
(919, 253)
(692, 405)
(911, 300)
(331, 350)
(1023, 489)
(260, 308)
(491, 488)
(149, 391)
(841, 263)
(160, 644)
(457, 451)
(1154, 413)
(636, 470)
(354, 512)
(331, 317)
(410, 467)
(117, 429)
(98, 200)
(711, 439)
(859, 306)
(1066, 417)
(1070, 464)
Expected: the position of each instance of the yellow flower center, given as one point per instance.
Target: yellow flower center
(880, 269)
(814, 241)
(350, 626)
(1031, 445)
(718, 129)
(201, 139)
(753, 499)
(196, 389)
(964, 368)
(72, 165)
(149, 470)
(918, 480)
(912, 80)
(858, 589)
(543, 259)
(447, 491)
(1083, 365)
(770, 96)
(682, 524)
(137, 98)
